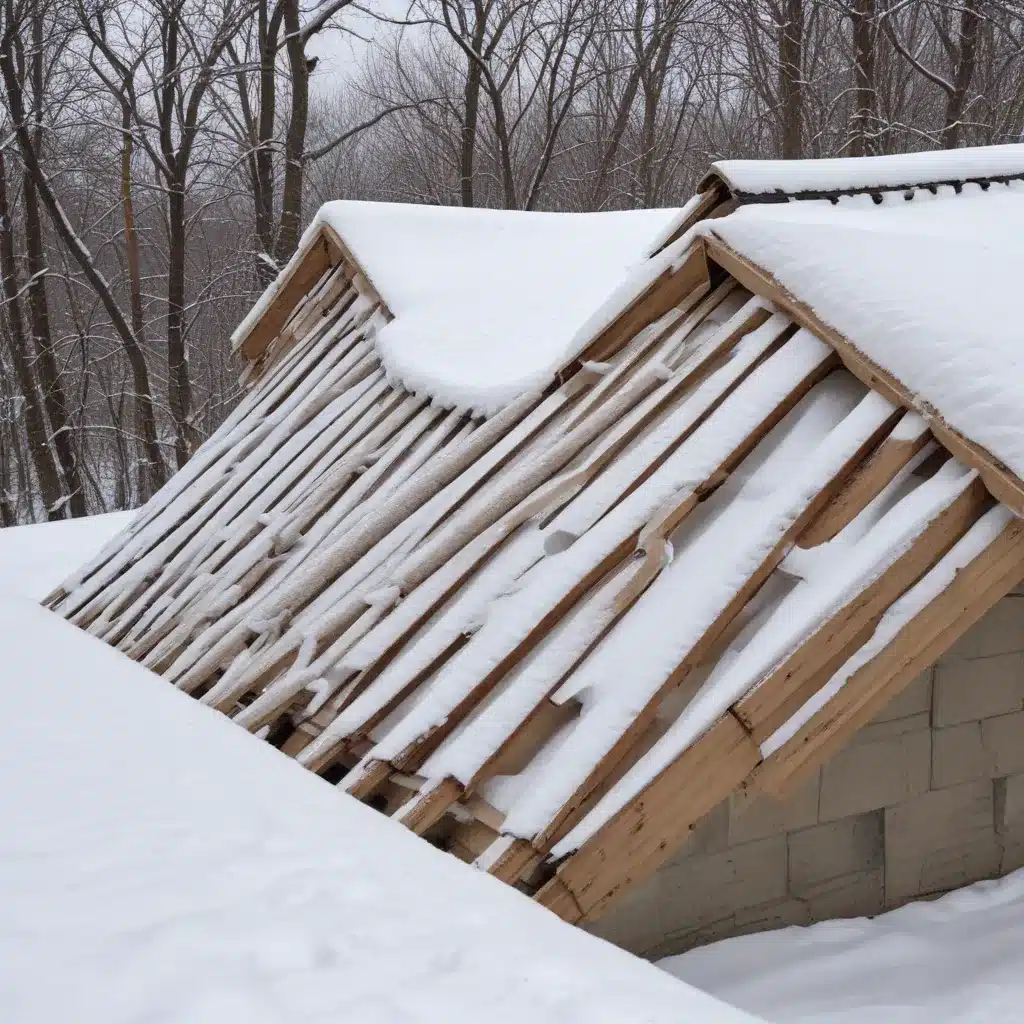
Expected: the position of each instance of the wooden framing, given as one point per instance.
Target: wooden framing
(325, 569)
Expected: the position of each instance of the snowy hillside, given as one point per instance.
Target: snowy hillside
(158, 864)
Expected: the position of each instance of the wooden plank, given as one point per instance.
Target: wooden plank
(918, 644)
(863, 487)
(320, 256)
(572, 811)
(1001, 481)
(517, 858)
(798, 678)
(427, 809)
(641, 836)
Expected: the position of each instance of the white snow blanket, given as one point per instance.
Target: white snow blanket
(488, 304)
(954, 961)
(891, 171)
(159, 864)
(929, 289)
(34, 559)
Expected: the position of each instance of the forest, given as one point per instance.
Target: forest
(159, 159)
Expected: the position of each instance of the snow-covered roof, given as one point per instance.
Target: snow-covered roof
(487, 304)
(159, 864)
(927, 288)
(492, 629)
(791, 177)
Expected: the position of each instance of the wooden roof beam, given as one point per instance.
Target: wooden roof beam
(782, 693)
(921, 641)
(867, 482)
(635, 842)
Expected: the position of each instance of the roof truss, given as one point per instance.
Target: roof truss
(323, 569)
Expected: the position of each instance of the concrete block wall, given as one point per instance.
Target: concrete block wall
(927, 797)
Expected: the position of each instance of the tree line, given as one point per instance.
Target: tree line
(159, 159)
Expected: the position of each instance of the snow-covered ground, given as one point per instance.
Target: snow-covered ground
(157, 864)
(957, 960)
(34, 559)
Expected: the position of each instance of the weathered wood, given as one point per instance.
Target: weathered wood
(770, 704)
(320, 256)
(517, 858)
(427, 809)
(644, 833)
(571, 811)
(1001, 481)
(919, 643)
(893, 455)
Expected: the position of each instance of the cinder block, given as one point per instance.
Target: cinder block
(959, 755)
(914, 699)
(754, 816)
(1009, 803)
(701, 890)
(636, 922)
(889, 728)
(1000, 631)
(1003, 738)
(858, 895)
(769, 916)
(681, 941)
(941, 840)
(820, 855)
(966, 691)
(868, 775)
(709, 835)
(1009, 814)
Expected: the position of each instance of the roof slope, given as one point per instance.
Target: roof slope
(928, 289)
(487, 304)
(761, 178)
(492, 631)
(157, 864)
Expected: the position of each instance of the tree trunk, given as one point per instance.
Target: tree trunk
(43, 462)
(54, 399)
(179, 389)
(966, 65)
(151, 472)
(295, 138)
(263, 183)
(471, 114)
(791, 43)
(864, 30)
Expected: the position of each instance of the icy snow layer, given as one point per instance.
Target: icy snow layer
(760, 176)
(34, 559)
(953, 961)
(488, 304)
(158, 864)
(928, 289)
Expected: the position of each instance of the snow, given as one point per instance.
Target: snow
(487, 304)
(927, 289)
(956, 960)
(793, 176)
(157, 863)
(34, 559)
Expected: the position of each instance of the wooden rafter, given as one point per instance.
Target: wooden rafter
(921, 641)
